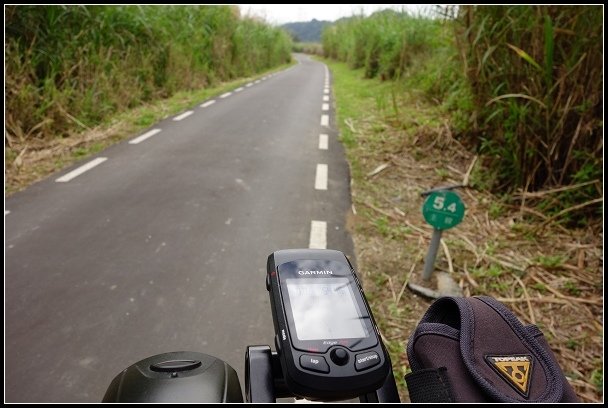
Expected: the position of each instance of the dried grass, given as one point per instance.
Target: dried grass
(549, 276)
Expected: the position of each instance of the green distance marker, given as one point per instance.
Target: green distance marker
(442, 210)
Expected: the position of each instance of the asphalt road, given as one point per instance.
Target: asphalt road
(162, 246)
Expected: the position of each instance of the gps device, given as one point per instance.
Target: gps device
(326, 337)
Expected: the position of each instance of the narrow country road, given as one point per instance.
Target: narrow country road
(159, 243)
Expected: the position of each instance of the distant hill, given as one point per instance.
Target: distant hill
(309, 31)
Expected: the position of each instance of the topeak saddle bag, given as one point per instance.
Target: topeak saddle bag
(476, 350)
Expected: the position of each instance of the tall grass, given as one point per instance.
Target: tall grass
(72, 67)
(417, 52)
(522, 85)
(385, 44)
(536, 76)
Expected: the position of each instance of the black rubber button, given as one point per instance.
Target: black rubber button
(366, 360)
(339, 356)
(314, 363)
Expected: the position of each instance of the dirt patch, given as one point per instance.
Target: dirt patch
(546, 274)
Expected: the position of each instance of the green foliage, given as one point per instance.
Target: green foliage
(551, 261)
(307, 48)
(442, 173)
(382, 224)
(597, 378)
(492, 271)
(306, 32)
(496, 210)
(69, 66)
(384, 44)
(572, 344)
(572, 288)
(535, 73)
(522, 86)
(539, 287)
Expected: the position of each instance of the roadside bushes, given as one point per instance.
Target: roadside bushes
(522, 86)
(70, 67)
(536, 76)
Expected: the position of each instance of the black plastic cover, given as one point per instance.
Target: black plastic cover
(211, 381)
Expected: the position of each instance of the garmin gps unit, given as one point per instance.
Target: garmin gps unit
(326, 338)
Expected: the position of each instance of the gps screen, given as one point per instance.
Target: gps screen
(324, 309)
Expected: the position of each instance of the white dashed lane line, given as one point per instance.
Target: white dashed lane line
(93, 163)
(208, 103)
(325, 120)
(326, 91)
(325, 98)
(318, 235)
(145, 136)
(183, 116)
(321, 177)
(323, 141)
(325, 107)
(81, 169)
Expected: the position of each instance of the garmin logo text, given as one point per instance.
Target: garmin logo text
(315, 272)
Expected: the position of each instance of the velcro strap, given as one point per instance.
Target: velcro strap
(429, 385)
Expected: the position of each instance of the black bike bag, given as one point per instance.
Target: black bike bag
(476, 350)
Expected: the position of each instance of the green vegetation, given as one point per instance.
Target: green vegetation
(70, 68)
(385, 44)
(550, 261)
(536, 78)
(522, 86)
(597, 378)
(308, 48)
(53, 154)
(307, 32)
(411, 96)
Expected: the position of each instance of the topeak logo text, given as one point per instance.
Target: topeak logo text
(315, 272)
(515, 370)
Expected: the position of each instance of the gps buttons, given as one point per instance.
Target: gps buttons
(366, 360)
(314, 363)
(339, 356)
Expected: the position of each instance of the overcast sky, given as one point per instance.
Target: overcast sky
(288, 13)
